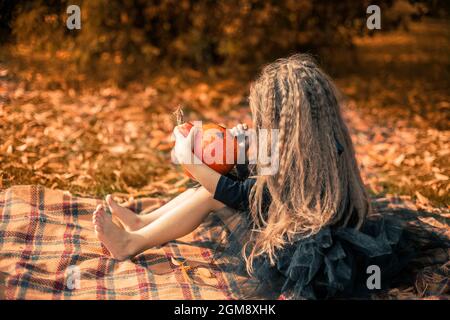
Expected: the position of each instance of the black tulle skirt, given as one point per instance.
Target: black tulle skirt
(334, 263)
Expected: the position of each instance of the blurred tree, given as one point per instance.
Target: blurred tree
(119, 40)
(6, 10)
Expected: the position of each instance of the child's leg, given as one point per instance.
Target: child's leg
(133, 221)
(175, 223)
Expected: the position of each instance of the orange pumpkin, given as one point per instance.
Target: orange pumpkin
(211, 145)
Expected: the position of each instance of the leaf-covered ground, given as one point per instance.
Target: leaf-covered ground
(105, 139)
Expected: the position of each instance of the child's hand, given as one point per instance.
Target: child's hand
(239, 132)
(243, 140)
(182, 151)
(239, 129)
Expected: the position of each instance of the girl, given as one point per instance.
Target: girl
(305, 220)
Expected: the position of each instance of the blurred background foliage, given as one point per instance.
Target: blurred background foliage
(122, 40)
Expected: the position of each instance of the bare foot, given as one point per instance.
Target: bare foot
(115, 239)
(130, 220)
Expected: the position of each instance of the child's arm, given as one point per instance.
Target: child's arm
(182, 151)
(224, 189)
(206, 176)
(232, 193)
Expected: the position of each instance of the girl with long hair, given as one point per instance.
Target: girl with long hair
(305, 233)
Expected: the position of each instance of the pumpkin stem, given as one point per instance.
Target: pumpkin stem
(179, 115)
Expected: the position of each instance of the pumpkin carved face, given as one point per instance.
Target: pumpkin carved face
(214, 145)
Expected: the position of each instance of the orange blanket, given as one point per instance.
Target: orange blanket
(48, 250)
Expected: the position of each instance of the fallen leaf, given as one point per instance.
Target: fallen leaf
(440, 176)
(398, 161)
(422, 199)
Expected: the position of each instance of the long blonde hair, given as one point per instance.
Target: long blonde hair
(316, 185)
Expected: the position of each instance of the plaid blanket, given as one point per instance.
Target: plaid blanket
(48, 250)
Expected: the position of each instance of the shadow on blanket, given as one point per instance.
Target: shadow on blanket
(48, 250)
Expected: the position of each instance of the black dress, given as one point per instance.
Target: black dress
(334, 263)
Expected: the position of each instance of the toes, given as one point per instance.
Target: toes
(96, 220)
(101, 216)
(97, 209)
(113, 205)
(110, 201)
(98, 225)
(98, 215)
(98, 228)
